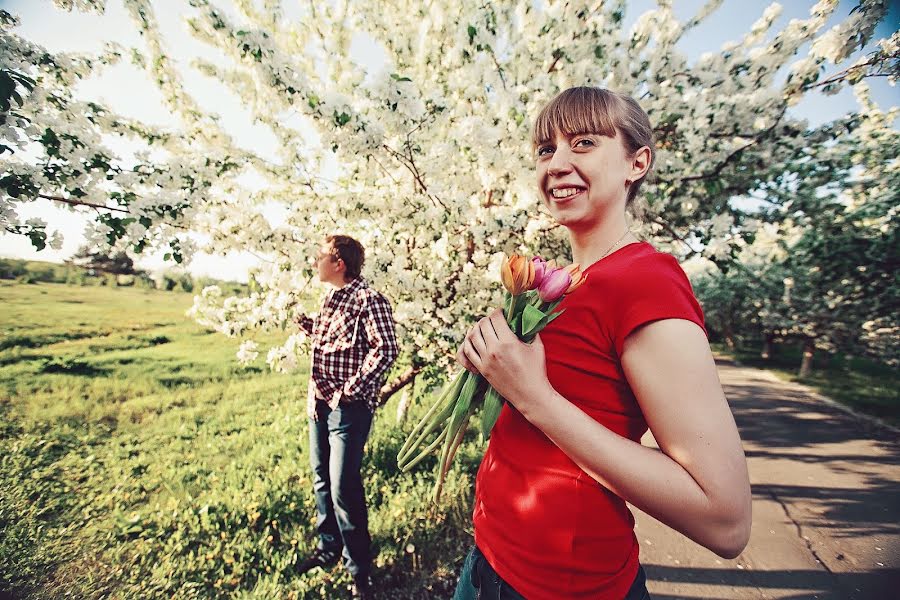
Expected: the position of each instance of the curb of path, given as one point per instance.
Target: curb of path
(820, 398)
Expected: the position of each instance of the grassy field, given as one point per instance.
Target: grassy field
(139, 460)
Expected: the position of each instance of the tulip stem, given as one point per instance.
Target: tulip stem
(457, 442)
(461, 413)
(443, 407)
(421, 456)
(450, 453)
(508, 309)
(441, 417)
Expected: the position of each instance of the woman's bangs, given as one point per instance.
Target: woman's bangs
(573, 112)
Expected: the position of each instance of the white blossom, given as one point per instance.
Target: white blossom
(247, 352)
(427, 161)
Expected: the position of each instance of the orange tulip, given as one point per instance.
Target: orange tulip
(517, 274)
(574, 270)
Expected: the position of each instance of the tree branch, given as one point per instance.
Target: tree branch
(499, 69)
(407, 377)
(407, 162)
(735, 154)
(72, 202)
(553, 64)
(718, 169)
(846, 72)
(383, 168)
(674, 234)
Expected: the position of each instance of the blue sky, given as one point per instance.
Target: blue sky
(128, 91)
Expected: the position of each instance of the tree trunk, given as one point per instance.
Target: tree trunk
(809, 348)
(403, 405)
(767, 349)
(407, 377)
(729, 339)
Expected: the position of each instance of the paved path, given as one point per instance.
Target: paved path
(826, 505)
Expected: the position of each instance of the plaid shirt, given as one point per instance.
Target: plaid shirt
(353, 346)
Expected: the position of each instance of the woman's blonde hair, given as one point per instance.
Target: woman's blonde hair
(581, 110)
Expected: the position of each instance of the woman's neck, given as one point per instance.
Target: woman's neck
(591, 245)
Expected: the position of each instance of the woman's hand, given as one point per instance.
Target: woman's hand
(515, 369)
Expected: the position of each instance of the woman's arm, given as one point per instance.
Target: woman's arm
(697, 483)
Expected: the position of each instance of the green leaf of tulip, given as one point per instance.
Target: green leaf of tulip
(516, 325)
(490, 411)
(529, 336)
(532, 318)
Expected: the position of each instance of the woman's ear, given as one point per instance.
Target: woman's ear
(640, 164)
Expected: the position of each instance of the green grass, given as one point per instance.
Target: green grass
(139, 460)
(863, 385)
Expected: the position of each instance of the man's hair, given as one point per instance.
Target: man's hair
(351, 252)
(580, 110)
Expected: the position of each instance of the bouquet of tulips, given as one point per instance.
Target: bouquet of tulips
(534, 288)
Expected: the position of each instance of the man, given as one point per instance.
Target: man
(353, 346)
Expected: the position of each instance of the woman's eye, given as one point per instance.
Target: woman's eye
(544, 150)
(584, 143)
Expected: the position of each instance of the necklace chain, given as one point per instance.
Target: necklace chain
(613, 247)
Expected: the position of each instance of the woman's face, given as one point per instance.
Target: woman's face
(583, 177)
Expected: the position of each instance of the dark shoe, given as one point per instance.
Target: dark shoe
(319, 558)
(361, 588)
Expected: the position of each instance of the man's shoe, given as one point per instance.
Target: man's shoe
(361, 588)
(319, 558)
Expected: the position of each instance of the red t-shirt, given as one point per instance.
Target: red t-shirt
(547, 527)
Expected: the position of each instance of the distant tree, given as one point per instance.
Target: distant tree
(100, 261)
(841, 268)
(728, 305)
(825, 269)
(10, 268)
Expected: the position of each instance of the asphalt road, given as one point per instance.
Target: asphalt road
(826, 505)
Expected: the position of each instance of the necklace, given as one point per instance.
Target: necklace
(613, 247)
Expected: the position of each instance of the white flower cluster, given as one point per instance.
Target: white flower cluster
(285, 358)
(247, 352)
(427, 161)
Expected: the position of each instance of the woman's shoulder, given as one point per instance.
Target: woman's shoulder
(647, 257)
(636, 264)
(639, 286)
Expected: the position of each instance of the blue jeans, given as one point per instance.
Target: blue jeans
(336, 442)
(479, 581)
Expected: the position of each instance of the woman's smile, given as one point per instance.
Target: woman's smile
(563, 194)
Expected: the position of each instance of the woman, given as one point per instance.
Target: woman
(629, 352)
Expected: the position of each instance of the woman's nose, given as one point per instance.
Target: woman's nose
(561, 161)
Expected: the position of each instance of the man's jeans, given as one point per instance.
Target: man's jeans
(479, 581)
(336, 442)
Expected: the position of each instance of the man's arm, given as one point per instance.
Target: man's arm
(305, 323)
(378, 322)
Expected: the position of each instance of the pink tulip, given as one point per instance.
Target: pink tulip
(554, 284)
(540, 269)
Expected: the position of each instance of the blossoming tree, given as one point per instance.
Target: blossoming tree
(426, 161)
(824, 270)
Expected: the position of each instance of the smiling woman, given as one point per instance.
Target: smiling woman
(629, 352)
(585, 140)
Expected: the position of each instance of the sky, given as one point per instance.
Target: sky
(58, 30)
